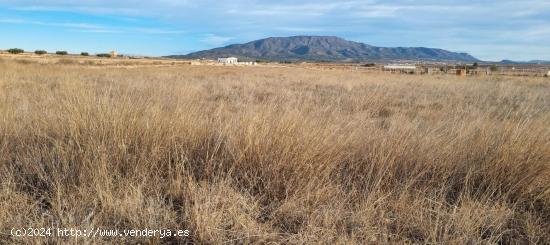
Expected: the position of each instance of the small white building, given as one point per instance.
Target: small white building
(400, 68)
(228, 61)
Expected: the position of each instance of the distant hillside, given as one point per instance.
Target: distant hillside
(324, 48)
(531, 62)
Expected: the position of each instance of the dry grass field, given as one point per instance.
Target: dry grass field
(273, 155)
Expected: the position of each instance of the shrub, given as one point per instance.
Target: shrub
(61, 52)
(84, 54)
(40, 52)
(104, 55)
(15, 51)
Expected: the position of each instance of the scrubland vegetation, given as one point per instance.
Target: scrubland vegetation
(15, 51)
(40, 52)
(104, 55)
(284, 155)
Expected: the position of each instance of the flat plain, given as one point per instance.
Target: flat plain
(273, 154)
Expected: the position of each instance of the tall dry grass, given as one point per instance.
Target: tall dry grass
(284, 155)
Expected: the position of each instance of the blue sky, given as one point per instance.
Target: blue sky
(487, 29)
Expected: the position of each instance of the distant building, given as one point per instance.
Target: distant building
(400, 68)
(248, 63)
(430, 70)
(228, 61)
(113, 54)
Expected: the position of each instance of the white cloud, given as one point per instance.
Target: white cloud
(216, 40)
(92, 28)
(300, 29)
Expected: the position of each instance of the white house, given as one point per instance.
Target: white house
(228, 61)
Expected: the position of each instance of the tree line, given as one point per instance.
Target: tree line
(61, 52)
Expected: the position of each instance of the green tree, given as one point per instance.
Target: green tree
(15, 51)
(104, 55)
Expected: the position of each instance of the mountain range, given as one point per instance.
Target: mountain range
(531, 62)
(325, 48)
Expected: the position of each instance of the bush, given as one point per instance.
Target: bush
(15, 51)
(104, 55)
(40, 52)
(61, 52)
(84, 54)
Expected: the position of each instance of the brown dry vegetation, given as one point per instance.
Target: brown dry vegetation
(283, 155)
